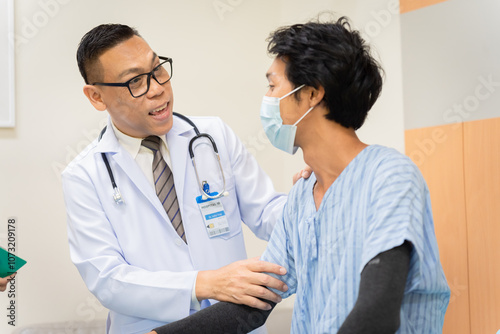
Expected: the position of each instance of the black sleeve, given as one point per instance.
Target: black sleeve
(381, 290)
(220, 318)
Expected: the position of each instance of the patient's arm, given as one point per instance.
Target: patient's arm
(381, 291)
(220, 318)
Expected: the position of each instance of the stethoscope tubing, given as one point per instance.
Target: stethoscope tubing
(117, 195)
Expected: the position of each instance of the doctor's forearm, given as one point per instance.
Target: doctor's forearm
(123, 287)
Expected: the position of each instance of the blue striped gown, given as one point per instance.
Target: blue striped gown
(377, 202)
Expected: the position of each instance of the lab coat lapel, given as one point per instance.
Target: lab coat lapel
(109, 144)
(136, 176)
(178, 141)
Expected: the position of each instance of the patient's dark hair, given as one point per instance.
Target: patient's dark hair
(334, 56)
(95, 43)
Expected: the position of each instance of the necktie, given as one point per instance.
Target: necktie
(164, 185)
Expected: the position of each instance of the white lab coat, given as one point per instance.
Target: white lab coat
(129, 255)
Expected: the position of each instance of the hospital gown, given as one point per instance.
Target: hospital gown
(377, 202)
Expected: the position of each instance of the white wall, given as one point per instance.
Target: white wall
(219, 64)
(451, 63)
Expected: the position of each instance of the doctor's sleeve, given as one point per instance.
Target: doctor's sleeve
(260, 205)
(96, 252)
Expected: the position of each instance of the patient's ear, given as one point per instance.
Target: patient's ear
(316, 95)
(94, 94)
(313, 95)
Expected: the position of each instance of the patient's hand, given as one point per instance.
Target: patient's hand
(304, 173)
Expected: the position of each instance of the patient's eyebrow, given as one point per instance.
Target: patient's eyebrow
(270, 74)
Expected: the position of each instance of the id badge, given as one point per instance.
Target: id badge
(213, 215)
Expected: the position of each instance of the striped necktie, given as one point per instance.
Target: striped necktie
(164, 185)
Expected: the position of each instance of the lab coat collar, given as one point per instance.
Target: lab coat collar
(178, 141)
(180, 127)
(109, 142)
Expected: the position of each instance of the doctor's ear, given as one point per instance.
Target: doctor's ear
(94, 95)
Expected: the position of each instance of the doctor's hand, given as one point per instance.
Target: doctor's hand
(304, 173)
(4, 281)
(242, 282)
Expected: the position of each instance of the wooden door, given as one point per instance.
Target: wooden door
(482, 184)
(438, 152)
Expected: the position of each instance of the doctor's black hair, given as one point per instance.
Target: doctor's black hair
(333, 56)
(97, 41)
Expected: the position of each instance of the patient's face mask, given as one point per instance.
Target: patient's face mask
(281, 135)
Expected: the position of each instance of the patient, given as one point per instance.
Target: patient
(357, 238)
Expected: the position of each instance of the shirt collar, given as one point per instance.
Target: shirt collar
(131, 144)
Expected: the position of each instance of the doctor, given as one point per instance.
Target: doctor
(147, 264)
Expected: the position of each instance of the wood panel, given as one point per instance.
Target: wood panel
(438, 152)
(482, 175)
(410, 5)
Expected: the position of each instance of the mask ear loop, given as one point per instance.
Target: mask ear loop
(307, 112)
(293, 91)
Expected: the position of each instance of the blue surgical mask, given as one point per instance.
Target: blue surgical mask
(281, 135)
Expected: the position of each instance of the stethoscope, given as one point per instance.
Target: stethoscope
(204, 187)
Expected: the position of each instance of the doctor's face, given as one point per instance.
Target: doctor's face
(150, 114)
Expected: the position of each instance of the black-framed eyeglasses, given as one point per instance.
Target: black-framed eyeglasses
(139, 85)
